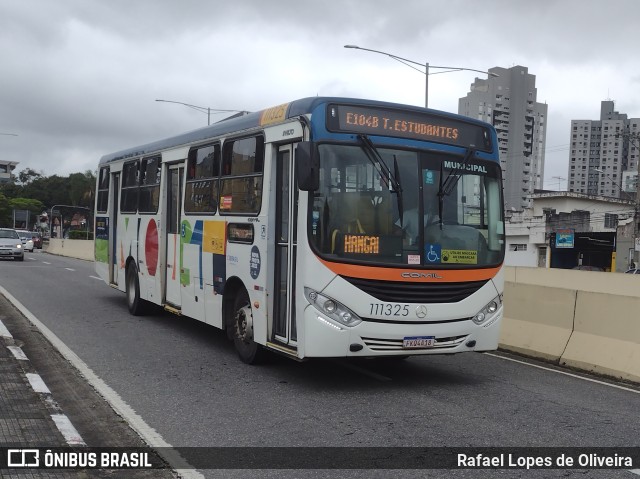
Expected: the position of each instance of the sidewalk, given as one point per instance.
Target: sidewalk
(45, 402)
(27, 409)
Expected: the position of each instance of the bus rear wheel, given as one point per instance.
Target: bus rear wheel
(248, 350)
(134, 302)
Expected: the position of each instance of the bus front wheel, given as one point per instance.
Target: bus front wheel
(134, 302)
(249, 351)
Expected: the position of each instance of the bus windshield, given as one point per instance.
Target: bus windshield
(359, 216)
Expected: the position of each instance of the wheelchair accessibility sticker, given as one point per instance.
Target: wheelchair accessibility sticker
(432, 253)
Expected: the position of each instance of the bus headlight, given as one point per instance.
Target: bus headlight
(488, 311)
(332, 308)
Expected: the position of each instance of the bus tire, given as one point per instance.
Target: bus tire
(248, 350)
(134, 302)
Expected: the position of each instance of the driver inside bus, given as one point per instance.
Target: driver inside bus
(410, 225)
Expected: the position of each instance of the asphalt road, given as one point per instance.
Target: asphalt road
(185, 384)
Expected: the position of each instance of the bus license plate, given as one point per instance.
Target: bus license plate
(418, 342)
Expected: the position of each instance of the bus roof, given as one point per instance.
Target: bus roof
(265, 117)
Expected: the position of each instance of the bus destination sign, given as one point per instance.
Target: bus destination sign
(406, 124)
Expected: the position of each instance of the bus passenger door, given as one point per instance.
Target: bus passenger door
(113, 234)
(284, 327)
(172, 240)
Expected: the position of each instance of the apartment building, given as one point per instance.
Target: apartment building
(603, 161)
(509, 102)
(6, 168)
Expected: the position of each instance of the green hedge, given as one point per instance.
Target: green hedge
(80, 234)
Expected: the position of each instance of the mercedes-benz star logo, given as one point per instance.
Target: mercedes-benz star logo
(421, 311)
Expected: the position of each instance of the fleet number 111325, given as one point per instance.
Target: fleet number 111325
(387, 309)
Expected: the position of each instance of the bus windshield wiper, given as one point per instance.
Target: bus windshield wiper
(454, 175)
(396, 170)
(447, 186)
(378, 162)
(383, 170)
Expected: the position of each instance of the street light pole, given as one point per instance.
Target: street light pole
(426, 66)
(426, 85)
(202, 109)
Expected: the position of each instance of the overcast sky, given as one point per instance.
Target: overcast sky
(79, 78)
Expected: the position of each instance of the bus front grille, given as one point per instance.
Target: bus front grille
(379, 344)
(408, 292)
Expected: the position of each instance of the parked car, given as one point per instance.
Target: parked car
(633, 271)
(11, 244)
(588, 268)
(37, 240)
(27, 241)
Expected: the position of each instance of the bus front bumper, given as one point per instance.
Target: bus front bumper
(324, 337)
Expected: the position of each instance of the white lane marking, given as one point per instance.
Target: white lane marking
(32, 259)
(68, 431)
(37, 383)
(18, 353)
(4, 332)
(45, 262)
(148, 434)
(70, 269)
(95, 277)
(565, 373)
(635, 471)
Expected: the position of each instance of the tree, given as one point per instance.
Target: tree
(35, 207)
(77, 189)
(81, 188)
(10, 189)
(5, 211)
(28, 175)
(50, 190)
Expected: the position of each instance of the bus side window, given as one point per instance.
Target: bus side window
(129, 191)
(103, 190)
(150, 173)
(241, 183)
(201, 192)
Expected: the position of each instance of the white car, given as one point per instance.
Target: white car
(11, 245)
(27, 240)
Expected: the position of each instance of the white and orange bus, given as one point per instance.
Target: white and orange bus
(324, 227)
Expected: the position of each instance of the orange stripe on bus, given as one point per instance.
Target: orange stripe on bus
(395, 274)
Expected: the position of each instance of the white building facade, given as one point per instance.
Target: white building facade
(6, 169)
(528, 233)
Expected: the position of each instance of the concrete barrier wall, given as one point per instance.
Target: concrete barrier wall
(540, 319)
(81, 249)
(606, 335)
(584, 319)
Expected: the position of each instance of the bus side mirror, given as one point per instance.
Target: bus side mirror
(307, 166)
